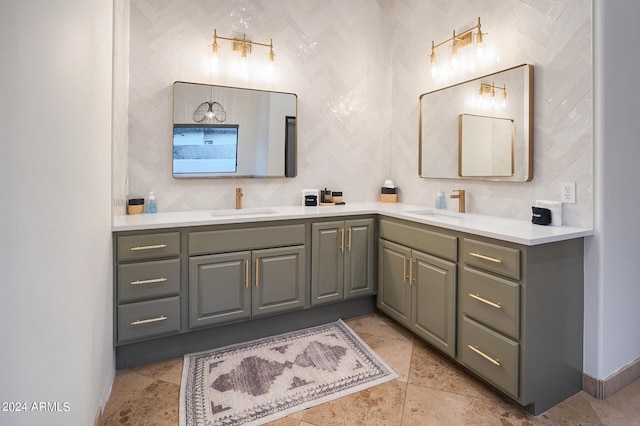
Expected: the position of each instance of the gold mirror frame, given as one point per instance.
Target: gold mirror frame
(438, 145)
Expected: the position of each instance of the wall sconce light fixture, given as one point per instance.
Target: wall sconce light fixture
(473, 36)
(242, 45)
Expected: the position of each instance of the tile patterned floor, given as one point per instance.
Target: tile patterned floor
(431, 390)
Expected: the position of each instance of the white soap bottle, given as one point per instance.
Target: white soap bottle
(151, 206)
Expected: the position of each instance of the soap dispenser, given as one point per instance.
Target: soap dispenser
(441, 201)
(151, 206)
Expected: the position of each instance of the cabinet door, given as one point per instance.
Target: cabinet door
(358, 261)
(219, 288)
(433, 300)
(394, 292)
(278, 280)
(327, 263)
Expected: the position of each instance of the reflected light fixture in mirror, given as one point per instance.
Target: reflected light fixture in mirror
(457, 60)
(489, 96)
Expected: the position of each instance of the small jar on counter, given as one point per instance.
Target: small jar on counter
(135, 206)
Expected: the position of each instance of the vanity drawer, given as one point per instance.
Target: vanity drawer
(149, 318)
(491, 300)
(144, 280)
(228, 240)
(148, 246)
(492, 257)
(490, 355)
(434, 243)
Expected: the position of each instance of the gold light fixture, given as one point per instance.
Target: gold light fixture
(242, 45)
(457, 41)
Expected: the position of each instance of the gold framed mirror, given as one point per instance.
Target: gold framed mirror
(492, 107)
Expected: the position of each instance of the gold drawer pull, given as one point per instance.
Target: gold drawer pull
(150, 320)
(151, 281)
(483, 257)
(153, 247)
(483, 355)
(483, 300)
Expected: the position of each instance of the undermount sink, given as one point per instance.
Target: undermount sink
(436, 213)
(241, 212)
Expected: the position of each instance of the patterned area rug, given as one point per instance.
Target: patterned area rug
(264, 380)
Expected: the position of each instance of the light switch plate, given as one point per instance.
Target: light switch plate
(568, 192)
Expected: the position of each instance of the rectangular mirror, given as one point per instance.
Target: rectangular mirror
(227, 132)
(503, 97)
(485, 146)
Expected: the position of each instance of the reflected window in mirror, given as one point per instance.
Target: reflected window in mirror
(507, 97)
(231, 132)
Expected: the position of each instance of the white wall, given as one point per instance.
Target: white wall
(612, 278)
(55, 260)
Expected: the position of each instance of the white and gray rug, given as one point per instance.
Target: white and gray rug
(260, 381)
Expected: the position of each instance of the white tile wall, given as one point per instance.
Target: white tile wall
(358, 68)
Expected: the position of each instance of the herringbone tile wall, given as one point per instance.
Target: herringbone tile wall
(358, 67)
(552, 35)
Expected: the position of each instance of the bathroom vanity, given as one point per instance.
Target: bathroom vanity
(504, 298)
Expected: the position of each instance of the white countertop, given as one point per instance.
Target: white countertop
(506, 229)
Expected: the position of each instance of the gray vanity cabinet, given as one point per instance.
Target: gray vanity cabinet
(513, 315)
(416, 288)
(147, 291)
(521, 316)
(219, 288)
(342, 260)
(236, 285)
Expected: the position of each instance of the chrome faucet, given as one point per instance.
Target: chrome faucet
(460, 197)
(239, 198)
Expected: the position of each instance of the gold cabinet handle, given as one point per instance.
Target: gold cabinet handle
(483, 257)
(150, 320)
(404, 269)
(246, 273)
(152, 247)
(342, 240)
(151, 281)
(349, 243)
(257, 272)
(412, 279)
(483, 300)
(483, 355)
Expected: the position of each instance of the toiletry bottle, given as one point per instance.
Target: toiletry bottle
(151, 206)
(441, 202)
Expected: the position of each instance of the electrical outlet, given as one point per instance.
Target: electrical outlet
(568, 192)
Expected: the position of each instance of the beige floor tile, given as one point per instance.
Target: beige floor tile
(429, 368)
(287, 421)
(379, 405)
(126, 385)
(168, 371)
(575, 409)
(427, 406)
(622, 408)
(157, 405)
(396, 353)
(381, 326)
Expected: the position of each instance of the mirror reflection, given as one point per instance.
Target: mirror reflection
(464, 129)
(228, 132)
(485, 146)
